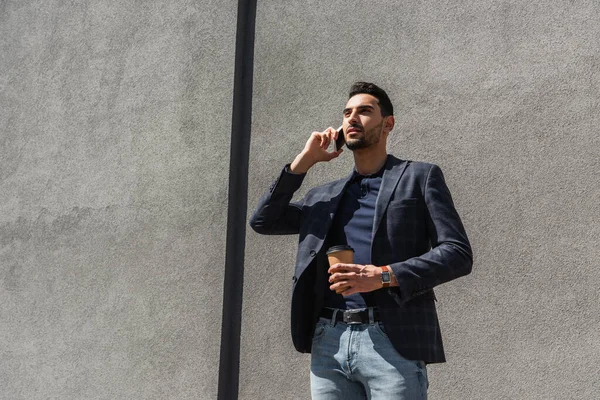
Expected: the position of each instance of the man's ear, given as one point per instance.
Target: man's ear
(388, 123)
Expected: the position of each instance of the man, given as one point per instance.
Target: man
(370, 325)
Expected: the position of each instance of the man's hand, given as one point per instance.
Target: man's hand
(347, 279)
(315, 151)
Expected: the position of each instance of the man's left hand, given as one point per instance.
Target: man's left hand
(347, 279)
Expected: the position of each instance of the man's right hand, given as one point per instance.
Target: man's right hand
(315, 151)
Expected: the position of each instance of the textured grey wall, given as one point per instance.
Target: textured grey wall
(114, 144)
(504, 96)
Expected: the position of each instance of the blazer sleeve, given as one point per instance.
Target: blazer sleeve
(450, 255)
(275, 214)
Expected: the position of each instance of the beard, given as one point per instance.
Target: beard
(368, 139)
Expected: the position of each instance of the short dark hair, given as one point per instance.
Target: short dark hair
(370, 88)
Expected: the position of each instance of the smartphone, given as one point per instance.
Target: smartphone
(340, 141)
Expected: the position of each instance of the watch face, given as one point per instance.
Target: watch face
(385, 277)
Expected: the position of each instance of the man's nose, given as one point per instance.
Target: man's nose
(353, 118)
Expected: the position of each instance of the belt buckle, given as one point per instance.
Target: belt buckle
(352, 317)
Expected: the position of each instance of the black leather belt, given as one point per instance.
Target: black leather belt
(351, 316)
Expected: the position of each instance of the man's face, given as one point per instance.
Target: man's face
(363, 122)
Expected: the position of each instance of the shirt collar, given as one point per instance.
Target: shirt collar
(358, 177)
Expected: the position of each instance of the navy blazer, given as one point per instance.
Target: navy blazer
(416, 230)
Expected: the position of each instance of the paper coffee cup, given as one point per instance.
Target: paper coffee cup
(340, 254)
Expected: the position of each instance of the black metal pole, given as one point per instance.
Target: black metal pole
(229, 364)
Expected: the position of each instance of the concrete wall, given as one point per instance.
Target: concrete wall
(114, 144)
(504, 96)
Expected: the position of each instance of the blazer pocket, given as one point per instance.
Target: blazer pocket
(425, 295)
(411, 201)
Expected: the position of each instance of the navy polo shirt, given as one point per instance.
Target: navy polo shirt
(353, 226)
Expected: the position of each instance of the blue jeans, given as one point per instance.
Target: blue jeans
(359, 362)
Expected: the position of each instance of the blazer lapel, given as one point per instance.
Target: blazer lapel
(315, 241)
(394, 169)
(337, 192)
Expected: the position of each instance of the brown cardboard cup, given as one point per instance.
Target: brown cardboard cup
(340, 254)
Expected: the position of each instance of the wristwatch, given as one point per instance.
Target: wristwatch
(386, 276)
